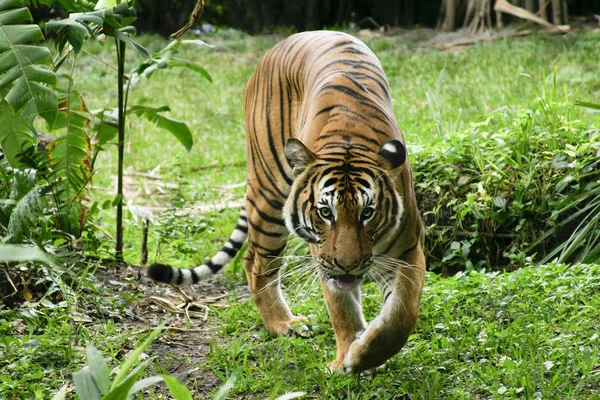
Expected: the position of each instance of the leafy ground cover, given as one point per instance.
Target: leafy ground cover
(526, 334)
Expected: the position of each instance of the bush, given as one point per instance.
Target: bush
(513, 186)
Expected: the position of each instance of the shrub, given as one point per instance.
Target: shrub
(513, 186)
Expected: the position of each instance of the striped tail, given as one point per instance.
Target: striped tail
(177, 276)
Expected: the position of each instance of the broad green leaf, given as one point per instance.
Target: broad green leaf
(121, 390)
(61, 394)
(79, 26)
(227, 386)
(178, 128)
(14, 135)
(98, 368)
(70, 30)
(106, 131)
(70, 155)
(29, 82)
(11, 17)
(176, 388)
(85, 386)
(191, 66)
(141, 50)
(20, 253)
(105, 4)
(196, 42)
(143, 384)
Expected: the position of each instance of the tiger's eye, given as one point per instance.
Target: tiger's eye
(325, 213)
(367, 213)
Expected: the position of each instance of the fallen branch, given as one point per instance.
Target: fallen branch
(507, 8)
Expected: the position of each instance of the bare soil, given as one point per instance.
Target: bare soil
(190, 324)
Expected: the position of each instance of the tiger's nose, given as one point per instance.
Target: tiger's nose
(348, 264)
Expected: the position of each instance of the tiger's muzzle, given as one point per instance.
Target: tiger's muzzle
(345, 276)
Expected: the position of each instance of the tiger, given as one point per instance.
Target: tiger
(326, 161)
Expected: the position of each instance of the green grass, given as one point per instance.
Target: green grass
(527, 334)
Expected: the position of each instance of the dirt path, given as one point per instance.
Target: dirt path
(191, 323)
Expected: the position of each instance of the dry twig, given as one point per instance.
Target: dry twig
(196, 13)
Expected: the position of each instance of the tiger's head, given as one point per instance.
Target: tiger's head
(343, 202)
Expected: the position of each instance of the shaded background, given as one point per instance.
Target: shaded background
(263, 16)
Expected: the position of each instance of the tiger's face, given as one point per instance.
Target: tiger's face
(343, 204)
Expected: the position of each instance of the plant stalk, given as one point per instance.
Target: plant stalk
(121, 145)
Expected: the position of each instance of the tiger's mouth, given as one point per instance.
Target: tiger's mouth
(346, 281)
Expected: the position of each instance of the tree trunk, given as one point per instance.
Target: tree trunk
(530, 5)
(450, 20)
(556, 11)
(565, 11)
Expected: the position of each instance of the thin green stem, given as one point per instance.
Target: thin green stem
(121, 144)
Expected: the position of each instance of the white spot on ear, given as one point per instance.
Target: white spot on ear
(390, 148)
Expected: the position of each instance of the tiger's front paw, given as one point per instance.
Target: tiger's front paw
(336, 366)
(356, 358)
(297, 326)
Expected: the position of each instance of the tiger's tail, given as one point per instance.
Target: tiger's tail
(181, 277)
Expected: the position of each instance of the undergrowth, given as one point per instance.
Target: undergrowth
(503, 191)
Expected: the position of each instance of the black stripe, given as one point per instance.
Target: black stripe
(195, 277)
(242, 228)
(213, 267)
(386, 296)
(229, 251)
(266, 216)
(236, 245)
(179, 277)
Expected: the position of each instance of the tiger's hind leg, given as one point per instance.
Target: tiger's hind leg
(262, 262)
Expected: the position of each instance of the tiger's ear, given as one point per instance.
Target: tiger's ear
(393, 154)
(298, 156)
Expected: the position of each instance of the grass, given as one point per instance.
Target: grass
(527, 334)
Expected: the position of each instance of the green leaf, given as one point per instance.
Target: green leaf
(61, 394)
(175, 62)
(24, 67)
(121, 391)
(144, 383)
(98, 368)
(85, 386)
(178, 128)
(79, 26)
(124, 36)
(20, 253)
(227, 386)
(176, 388)
(70, 155)
(70, 30)
(15, 137)
(105, 4)
(587, 104)
(133, 357)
